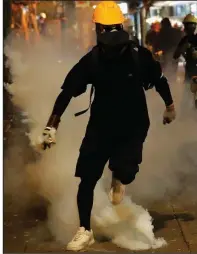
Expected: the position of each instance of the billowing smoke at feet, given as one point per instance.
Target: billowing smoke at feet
(168, 166)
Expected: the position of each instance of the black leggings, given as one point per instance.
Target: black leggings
(85, 196)
(85, 199)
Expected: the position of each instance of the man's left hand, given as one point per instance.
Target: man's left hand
(169, 114)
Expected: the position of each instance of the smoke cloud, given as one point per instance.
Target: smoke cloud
(169, 159)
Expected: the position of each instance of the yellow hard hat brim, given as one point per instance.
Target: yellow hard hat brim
(190, 19)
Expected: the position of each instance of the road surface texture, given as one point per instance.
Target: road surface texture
(26, 231)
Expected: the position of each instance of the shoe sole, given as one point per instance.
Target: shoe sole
(82, 249)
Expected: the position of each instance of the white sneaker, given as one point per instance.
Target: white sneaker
(117, 191)
(81, 240)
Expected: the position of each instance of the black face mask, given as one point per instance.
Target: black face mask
(190, 28)
(112, 39)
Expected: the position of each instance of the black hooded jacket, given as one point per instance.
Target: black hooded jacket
(186, 48)
(119, 103)
(168, 37)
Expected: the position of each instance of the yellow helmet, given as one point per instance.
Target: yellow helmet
(190, 19)
(108, 13)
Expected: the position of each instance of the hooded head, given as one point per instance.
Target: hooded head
(165, 23)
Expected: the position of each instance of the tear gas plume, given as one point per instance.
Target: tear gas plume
(169, 159)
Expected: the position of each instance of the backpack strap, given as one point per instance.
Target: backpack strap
(94, 64)
(84, 111)
(135, 56)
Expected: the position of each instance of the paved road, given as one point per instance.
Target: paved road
(26, 231)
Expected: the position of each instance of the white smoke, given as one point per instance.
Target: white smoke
(169, 153)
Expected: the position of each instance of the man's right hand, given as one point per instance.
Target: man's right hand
(48, 137)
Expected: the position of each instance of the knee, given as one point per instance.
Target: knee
(88, 184)
(127, 175)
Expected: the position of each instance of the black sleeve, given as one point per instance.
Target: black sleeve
(154, 77)
(180, 48)
(62, 102)
(74, 85)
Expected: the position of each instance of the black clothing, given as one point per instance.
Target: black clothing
(186, 47)
(119, 95)
(168, 39)
(123, 152)
(85, 199)
(152, 39)
(119, 119)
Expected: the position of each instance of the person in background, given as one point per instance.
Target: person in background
(167, 42)
(152, 37)
(42, 23)
(187, 48)
(167, 39)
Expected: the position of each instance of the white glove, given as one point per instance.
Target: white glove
(48, 137)
(169, 114)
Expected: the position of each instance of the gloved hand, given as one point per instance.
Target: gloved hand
(169, 114)
(48, 137)
(49, 133)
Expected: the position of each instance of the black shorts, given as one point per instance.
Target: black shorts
(123, 153)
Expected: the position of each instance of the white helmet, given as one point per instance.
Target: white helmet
(43, 15)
